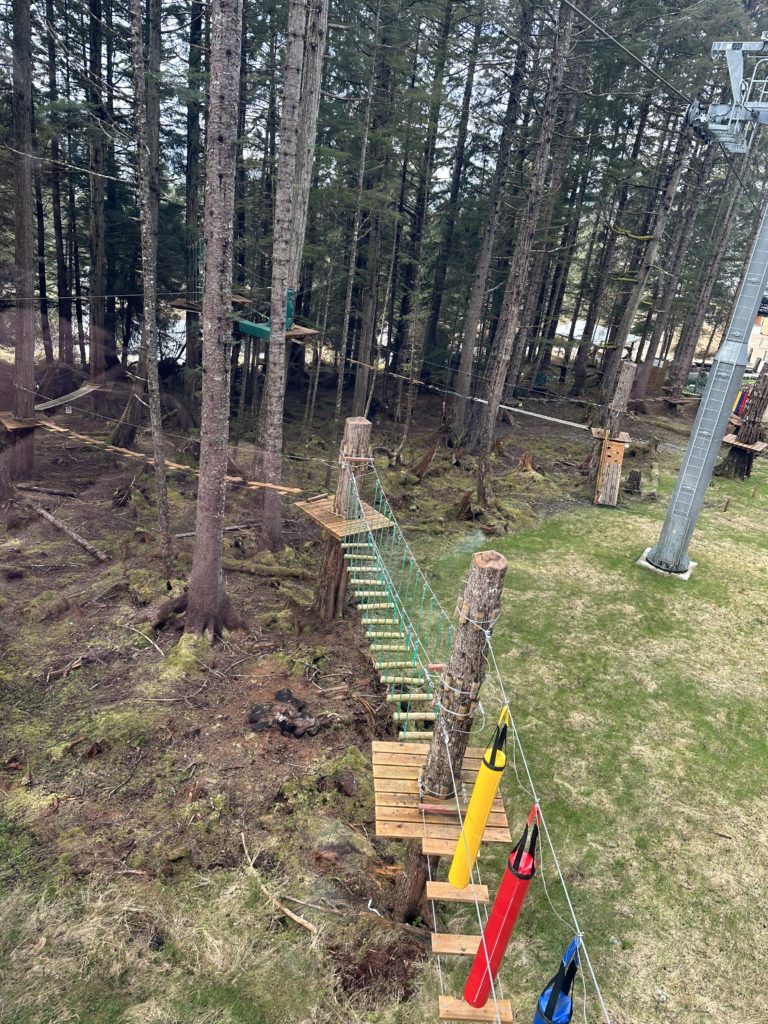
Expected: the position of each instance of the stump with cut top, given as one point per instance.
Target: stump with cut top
(465, 671)
(354, 458)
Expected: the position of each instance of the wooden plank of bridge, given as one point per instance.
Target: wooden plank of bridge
(402, 812)
(321, 511)
(457, 1009)
(445, 891)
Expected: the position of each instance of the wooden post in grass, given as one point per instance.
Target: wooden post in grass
(354, 455)
(464, 674)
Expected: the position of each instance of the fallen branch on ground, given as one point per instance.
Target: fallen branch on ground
(278, 571)
(275, 902)
(86, 545)
(46, 490)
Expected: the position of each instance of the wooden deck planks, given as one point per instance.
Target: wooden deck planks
(457, 1009)
(321, 511)
(448, 944)
(399, 813)
(445, 891)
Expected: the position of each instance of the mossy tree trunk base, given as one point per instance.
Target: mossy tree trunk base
(331, 591)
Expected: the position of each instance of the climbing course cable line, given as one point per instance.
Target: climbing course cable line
(667, 85)
(375, 546)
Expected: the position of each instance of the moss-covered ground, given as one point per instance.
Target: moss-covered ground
(150, 842)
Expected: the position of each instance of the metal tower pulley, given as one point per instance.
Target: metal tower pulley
(733, 123)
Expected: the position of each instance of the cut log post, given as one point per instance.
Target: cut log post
(620, 400)
(465, 671)
(354, 457)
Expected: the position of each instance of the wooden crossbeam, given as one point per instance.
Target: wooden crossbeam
(458, 1009)
(446, 892)
(447, 944)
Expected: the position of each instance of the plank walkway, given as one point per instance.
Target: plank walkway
(401, 813)
(321, 510)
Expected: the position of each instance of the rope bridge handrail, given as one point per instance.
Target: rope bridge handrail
(417, 608)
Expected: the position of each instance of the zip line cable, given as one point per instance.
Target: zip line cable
(668, 85)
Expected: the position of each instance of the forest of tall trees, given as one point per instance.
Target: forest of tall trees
(492, 200)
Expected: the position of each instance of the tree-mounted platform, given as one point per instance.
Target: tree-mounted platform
(758, 447)
(402, 813)
(261, 330)
(14, 425)
(195, 306)
(320, 509)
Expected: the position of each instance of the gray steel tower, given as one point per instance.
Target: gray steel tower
(731, 123)
(671, 551)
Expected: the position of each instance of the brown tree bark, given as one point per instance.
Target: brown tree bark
(632, 304)
(680, 251)
(451, 206)
(465, 672)
(738, 462)
(193, 177)
(97, 162)
(414, 325)
(282, 235)
(22, 456)
(208, 608)
(66, 354)
(480, 431)
(606, 258)
(331, 589)
(146, 84)
(691, 333)
(42, 281)
(309, 108)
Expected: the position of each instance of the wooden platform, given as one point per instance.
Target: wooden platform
(396, 771)
(622, 436)
(321, 510)
(14, 425)
(757, 447)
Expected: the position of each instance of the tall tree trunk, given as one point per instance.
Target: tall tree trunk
(45, 324)
(629, 312)
(495, 200)
(414, 325)
(684, 238)
(689, 339)
(74, 250)
(367, 321)
(480, 431)
(146, 85)
(738, 462)
(23, 451)
(606, 259)
(97, 166)
(208, 606)
(451, 208)
(282, 235)
(192, 179)
(352, 261)
(561, 150)
(309, 107)
(66, 354)
(111, 208)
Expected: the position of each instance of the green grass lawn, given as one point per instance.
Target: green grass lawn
(641, 704)
(640, 700)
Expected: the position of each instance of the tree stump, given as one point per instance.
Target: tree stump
(354, 457)
(464, 675)
(633, 482)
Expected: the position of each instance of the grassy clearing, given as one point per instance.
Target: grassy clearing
(639, 699)
(641, 704)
